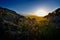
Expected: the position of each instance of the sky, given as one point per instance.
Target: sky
(30, 6)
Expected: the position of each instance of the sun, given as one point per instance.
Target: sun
(41, 12)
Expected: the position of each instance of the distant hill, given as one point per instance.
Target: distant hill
(38, 18)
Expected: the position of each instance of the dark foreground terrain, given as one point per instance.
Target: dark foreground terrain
(17, 27)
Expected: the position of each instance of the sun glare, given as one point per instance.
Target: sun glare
(41, 12)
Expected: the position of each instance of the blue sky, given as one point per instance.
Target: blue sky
(28, 6)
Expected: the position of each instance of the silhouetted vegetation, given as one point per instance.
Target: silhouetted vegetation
(17, 27)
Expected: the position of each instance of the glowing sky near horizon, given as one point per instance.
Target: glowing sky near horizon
(30, 6)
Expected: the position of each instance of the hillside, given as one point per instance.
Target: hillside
(54, 16)
(9, 24)
(9, 15)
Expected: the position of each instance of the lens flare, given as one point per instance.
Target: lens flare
(41, 12)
